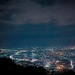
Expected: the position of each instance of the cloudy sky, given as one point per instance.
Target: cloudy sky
(37, 22)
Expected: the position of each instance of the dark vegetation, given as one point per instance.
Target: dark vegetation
(7, 66)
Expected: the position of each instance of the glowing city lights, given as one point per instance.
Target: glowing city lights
(49, 58)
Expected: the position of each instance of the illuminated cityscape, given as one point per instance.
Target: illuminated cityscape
(49, 58)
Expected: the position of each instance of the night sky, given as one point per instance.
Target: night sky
(37, 23)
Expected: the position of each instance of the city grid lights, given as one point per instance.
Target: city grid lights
(48, 58)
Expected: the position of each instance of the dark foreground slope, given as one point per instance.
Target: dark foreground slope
(7, 66)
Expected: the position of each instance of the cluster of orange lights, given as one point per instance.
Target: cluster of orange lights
(60, 67)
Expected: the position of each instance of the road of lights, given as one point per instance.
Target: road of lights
(71, 64)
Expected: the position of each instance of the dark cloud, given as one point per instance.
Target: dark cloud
(59, 12)
(45, 2)
(2, 2)
(52, 2)
(5, 10)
